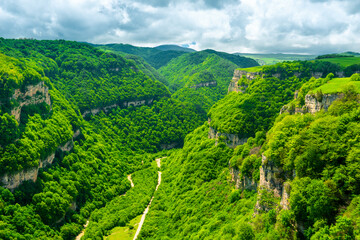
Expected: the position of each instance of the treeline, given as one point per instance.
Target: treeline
(334, 55)
(108, 148)
(86, 76)
(314, 156)
(122, 209)
(149, 128)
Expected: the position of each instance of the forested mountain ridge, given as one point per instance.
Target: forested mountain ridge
(202, 78)
(48, 151)
(156, 57)
(297, 181)
(263, 92)
(80, 72)
(292, 172)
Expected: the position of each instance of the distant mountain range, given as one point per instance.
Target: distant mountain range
(156, 56)
(172, 47)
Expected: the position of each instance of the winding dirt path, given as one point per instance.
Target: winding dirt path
(131, 182)
(158, 163)
(78, 237)
(83, 231)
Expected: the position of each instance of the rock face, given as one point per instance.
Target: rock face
(13, 180)
(205, 84)
(34, 94)
(137, 103)
(169, 145)
(244, 183)
(231, 140)
(134, 103)
(313, 104)
(233, 86)
(272, 180)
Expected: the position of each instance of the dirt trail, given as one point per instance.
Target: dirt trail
(158, 163)
(87, 222)
(83, 231)
(131, 182)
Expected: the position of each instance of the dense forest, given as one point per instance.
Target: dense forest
(79, 120)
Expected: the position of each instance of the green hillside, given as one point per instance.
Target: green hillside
(338, 85)
(90, 159)
(294, 174)
(343, 61)
(190, 70)
(156, 57)
(198, 200)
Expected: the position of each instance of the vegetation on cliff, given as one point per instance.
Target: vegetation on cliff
(209, 191)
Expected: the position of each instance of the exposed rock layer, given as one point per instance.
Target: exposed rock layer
(243, 183)
(205, 84)
(313, 104)
(272, 179)
(34, 94)
(106, 109)
(13, 180)
(231, 140)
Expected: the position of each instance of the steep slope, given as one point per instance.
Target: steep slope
(200, 78)
(80, 72)
(59, 167)
(257, 98)
(304, 172)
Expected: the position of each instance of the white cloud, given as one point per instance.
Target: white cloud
(309, 26)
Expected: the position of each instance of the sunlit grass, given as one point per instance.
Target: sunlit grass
(124, 233)
(252, 69)
(343, 61)
(337, 85)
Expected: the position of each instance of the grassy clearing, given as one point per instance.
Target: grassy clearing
(251, 69)
(124, 233)
(343, 61)
(337, 85)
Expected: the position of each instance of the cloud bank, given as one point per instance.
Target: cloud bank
(287, 26)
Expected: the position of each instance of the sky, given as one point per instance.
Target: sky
(247, 26)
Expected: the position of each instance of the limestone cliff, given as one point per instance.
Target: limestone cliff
(272, 181)
(231, 140)
(13, 180)
(238, 74)
(106, 109)
(34, 94)
(205, 84)
(313, 104)
(167, 146)
(243, 183)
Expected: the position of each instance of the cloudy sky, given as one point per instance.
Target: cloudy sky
(257, 26)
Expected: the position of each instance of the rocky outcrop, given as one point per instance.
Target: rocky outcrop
(238, 74)
(34, 94)
(315, 104)
(13, 180)
(76, 133)
(272, 181)
(285, 204)
(167, 146)
(106, 109)
(136, 103)
(231, 140)
(243, 183)
(205, 84)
